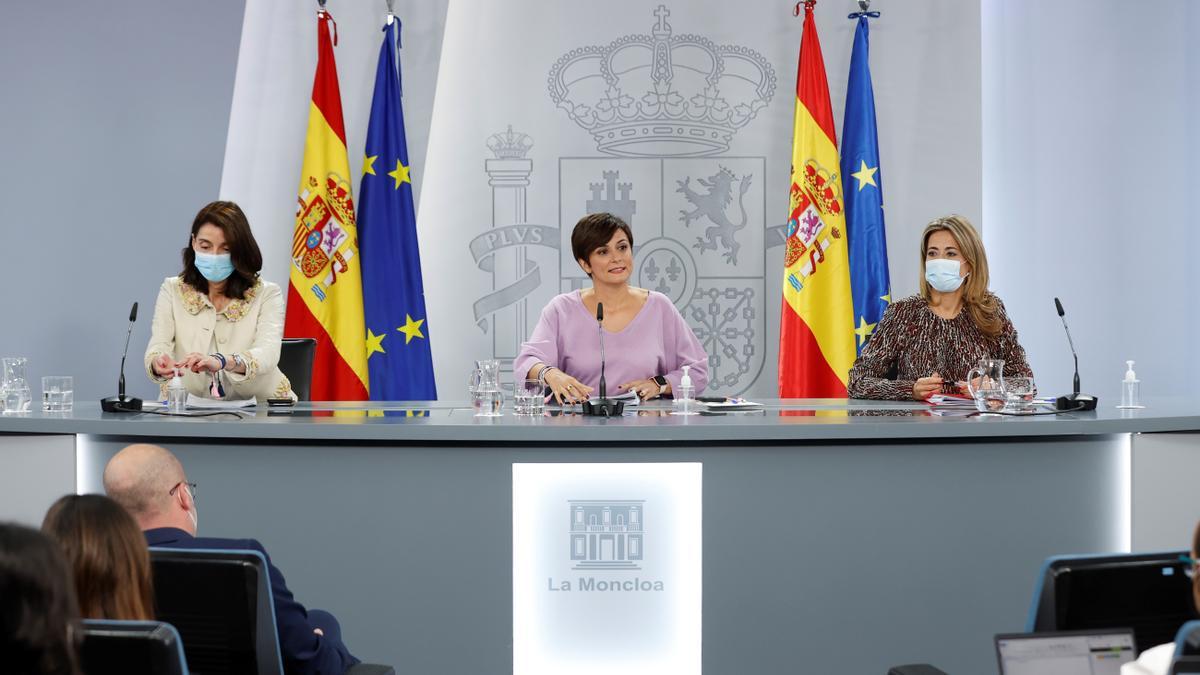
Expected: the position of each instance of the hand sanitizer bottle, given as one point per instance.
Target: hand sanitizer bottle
(1129, 388)
(683, 397)
(176, 394)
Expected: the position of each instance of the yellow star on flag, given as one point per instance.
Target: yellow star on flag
(411, 328)
(374, 343)
(864, 330)
(369, 164)
(887, 298)
(400, 174)
(865, 175)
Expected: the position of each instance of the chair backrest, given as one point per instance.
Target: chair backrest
(131, 648)
(1187, 649)
(296, 362)
(1148, 592)
(1187, 640)
(221, 603)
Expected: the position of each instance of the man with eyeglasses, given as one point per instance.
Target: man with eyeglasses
(150, 483)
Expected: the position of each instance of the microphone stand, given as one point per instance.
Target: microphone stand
(605, 407)
(1075, 401)
(122, 403)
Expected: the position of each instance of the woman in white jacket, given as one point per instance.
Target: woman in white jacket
(218, 322)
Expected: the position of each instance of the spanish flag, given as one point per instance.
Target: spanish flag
(816, 333)
(325, 299)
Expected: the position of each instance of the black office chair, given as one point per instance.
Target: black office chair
(131, 648)
(1149, 592)
(1187, 649)
(221, 603)
(296, 362)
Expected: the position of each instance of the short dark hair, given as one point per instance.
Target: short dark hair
(243, 250)
(595, 230)
(38, 614)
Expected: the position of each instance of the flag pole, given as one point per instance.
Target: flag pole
(864, 7)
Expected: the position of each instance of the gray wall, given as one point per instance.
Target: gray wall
(47, 472)
(1090, 173)
(112, 132)
(1164, 500)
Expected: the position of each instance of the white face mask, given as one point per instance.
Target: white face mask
(943, 274)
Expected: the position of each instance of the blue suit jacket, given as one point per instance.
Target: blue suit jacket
(304, 652)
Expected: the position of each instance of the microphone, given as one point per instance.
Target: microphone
(1076, 401)
(600, 329)
(604, 407)
(121, 402)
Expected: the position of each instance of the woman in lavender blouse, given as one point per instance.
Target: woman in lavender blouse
(646, 340)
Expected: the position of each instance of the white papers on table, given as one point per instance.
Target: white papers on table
(200, 403)
(630, 398)
(731, 405)
(951, 402)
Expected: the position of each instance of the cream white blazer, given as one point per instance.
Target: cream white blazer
(185, 321)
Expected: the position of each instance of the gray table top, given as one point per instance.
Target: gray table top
(786, 420)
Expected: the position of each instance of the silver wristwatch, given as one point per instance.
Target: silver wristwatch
(237, 360)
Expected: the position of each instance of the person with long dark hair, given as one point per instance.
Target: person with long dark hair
(218, 322)
(109, 559)
(38, 615)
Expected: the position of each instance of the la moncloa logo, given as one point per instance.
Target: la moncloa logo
(607, 534)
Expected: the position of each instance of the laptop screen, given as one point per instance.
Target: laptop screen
(1081, 653)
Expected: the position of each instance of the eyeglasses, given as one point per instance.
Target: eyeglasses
(191, 488)
(1191, 563)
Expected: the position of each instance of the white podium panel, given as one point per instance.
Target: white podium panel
(607, 568)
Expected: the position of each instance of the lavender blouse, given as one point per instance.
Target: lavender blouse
(656, 342)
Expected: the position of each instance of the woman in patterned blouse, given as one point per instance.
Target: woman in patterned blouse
(927, 343)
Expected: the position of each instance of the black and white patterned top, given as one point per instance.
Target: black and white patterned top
(912, 342)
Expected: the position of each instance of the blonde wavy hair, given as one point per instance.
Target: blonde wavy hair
(981, 306)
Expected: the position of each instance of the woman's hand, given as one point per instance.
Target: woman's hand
(927, 386)
(567, 388)
(197, 362)
(645, 389)
(163, 366)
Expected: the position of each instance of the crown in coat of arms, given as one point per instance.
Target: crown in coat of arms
(823, 188)
(509, 144)
(662, 94)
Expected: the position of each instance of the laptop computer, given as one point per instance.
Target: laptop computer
(1065, 653)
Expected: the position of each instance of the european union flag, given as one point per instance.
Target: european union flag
(398, 356)
(869, 281)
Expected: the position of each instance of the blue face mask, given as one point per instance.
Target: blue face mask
(214, 267)
(942, 274)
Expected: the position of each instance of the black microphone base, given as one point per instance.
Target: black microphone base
(120, 404)
(1076, 402)
(605, 407)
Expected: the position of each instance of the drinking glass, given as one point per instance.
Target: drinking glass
(14, 388)
(58, 393)
(529, 397)
(1020, 394)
